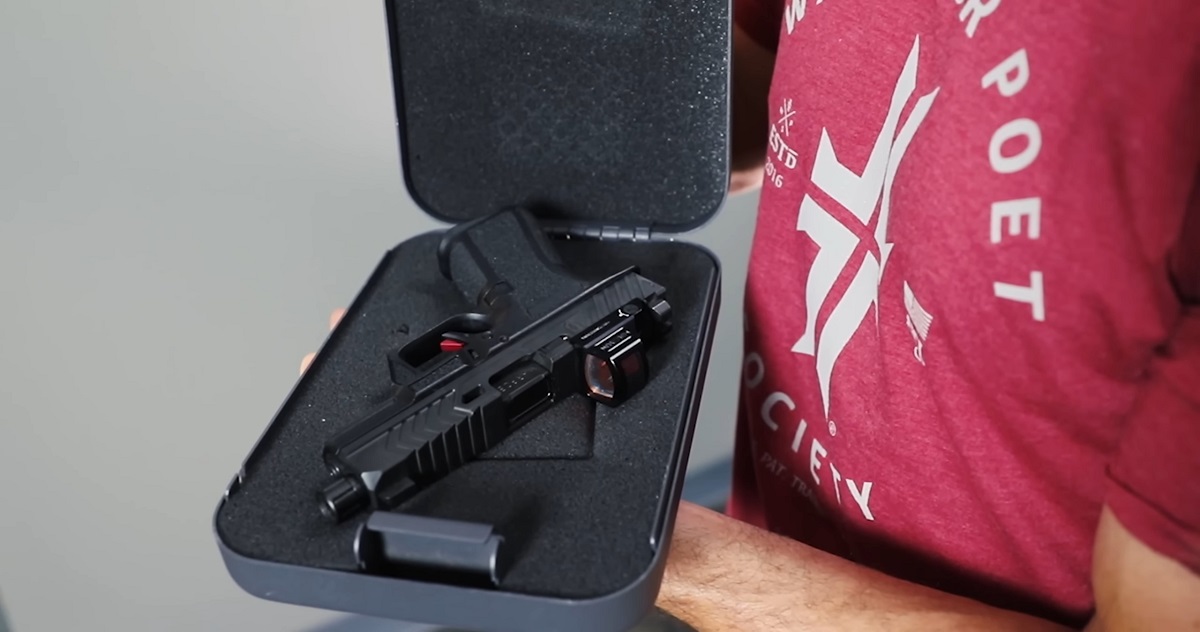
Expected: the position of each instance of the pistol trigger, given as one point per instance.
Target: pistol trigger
(454, 341)
(472, 347)
(450, 345)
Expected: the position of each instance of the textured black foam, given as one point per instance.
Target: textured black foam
(580, 109)
(578, 490)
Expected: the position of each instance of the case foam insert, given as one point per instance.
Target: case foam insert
(580, 109)
(577, 491)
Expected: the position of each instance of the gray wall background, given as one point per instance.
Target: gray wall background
(186, 191)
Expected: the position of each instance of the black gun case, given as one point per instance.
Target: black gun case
(608, 121)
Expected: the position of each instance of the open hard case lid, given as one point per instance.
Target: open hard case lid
(588, 112)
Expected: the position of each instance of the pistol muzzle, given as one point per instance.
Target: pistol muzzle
(342, 498)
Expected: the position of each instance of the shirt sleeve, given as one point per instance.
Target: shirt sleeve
(1154, 479)
(760, 19)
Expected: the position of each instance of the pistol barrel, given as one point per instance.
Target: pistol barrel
(399, 450)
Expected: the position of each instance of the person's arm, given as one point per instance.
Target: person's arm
(723, 574)
(1138, 588)
(750, 83)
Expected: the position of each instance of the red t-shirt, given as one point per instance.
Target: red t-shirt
(971, 311)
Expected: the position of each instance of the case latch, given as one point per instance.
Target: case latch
(431, 549)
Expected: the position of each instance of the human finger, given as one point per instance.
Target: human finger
(336, 317)
(305, 361)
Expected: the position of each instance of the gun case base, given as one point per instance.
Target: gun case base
(583, 494)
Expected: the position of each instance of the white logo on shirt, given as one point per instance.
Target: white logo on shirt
(786, 114)
(867, 197)
(918, 321)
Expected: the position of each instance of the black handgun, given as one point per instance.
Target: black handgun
(541, 335)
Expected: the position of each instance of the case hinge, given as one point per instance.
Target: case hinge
(600, 233)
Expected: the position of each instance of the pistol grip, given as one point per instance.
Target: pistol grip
(505, 264)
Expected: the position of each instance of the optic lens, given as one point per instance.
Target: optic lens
(598, 374)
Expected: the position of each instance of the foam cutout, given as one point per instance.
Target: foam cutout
(577, 492)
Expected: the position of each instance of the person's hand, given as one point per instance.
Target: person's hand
(334, 319)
